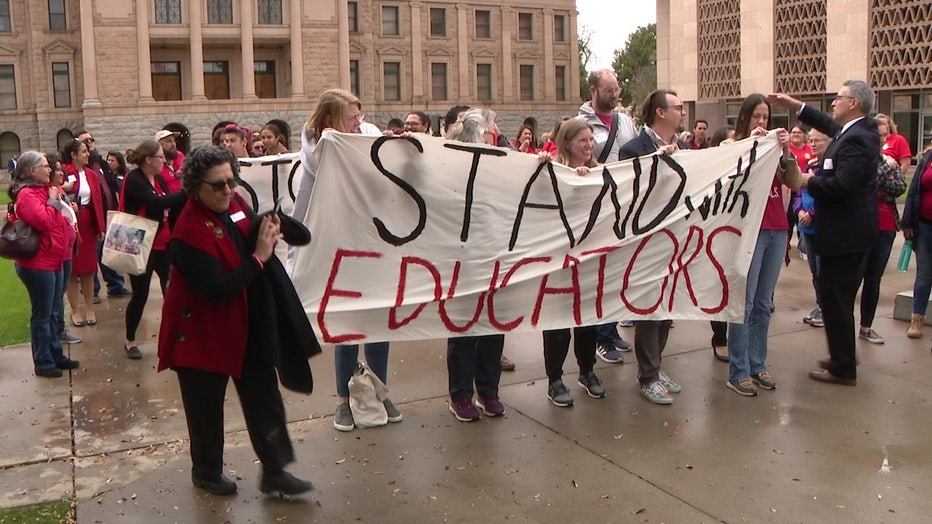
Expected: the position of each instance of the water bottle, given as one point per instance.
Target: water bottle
(905, 253)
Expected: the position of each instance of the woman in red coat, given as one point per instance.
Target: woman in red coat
(84, 183)
(231, 312)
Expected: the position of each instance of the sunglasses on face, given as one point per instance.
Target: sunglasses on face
(232, 183)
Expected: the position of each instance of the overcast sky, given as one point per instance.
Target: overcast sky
(611, 21)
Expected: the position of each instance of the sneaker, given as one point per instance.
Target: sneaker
(763, 380)
(68, 337)
(814, 318)
(559, 394)
(620, 343)
(656, 392)
(464, 410)
(132, 352)
(744, 387)
(343, 418)
(626, 323)
(592, 385)
(491, 405)
(668, 383)
(394, 414)
(607, 353)
(871, 336)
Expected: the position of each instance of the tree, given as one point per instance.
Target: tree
(585, 54)
(636, 65)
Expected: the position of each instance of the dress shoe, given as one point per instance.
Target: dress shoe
(823, 375)
(283, 483)
(132, 352)
(720, 353)
(68, 364)
(120, 293)
(507, 365)
(220, 485)
(77, 323)
(49, 373)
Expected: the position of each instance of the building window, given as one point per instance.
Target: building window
(270, 12)
(559, 28)
(354, 76)
(527, 82)
(560, 80)
(438, 21)
(61, 84)
(438, 81)
(217, 80)
(7, 87)
(483, 24)
(391, 73)
(9, 146)
(353, 15)
(525, 26)
(265, 78)
(5, 23)
(484, 82)
(167, 11)
(390, 20)
(219, 11)
(166, 80)
(57, 18)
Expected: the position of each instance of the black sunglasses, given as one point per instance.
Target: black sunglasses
(220, 184)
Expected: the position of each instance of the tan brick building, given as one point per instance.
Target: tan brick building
(715, 52)
(127, 68)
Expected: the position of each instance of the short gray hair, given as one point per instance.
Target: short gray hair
(860, 91)
(471, 125)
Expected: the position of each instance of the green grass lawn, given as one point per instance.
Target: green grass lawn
(14, 301)
(48, 513)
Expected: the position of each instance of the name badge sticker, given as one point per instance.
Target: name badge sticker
(236, 217)
(72, 178)
(828, 164)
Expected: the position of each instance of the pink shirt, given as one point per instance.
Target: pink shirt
(925, 194)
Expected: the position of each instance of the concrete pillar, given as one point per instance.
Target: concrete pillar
(508, 69)
(573, 70)
(143, 58)
(196, 44)
(247, 54)
(417, 54)
(297, 52)
(89, 55)
(549, 76)
(466, 72)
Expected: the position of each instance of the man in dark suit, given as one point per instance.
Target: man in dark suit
(663, 114)
(845, 194)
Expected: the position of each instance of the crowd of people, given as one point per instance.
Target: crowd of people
(231, 312)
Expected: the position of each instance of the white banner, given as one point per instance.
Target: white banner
(424, 238)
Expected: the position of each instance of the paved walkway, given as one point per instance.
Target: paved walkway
(111, 437)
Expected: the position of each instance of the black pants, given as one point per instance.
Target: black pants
(158, 263)
(202, 393)
(557, 345)
(719, 333)
(474, 359)
(838, 286)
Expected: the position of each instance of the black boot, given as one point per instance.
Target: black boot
(283, 483)
(220, 485)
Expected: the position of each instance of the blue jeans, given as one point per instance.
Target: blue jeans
(59, 306)
(115, 281)
(747, 342)
(814, 265)
(922, 245)
(345, 357)
(872, 267)
(43, 288)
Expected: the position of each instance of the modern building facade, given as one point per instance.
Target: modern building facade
(124, 69)
(715, 52)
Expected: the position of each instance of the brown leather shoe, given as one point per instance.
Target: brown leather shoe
(823, 375)
(720, 352)
(507, 365)
(825, 363)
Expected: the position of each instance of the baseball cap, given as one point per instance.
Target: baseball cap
(163, 134)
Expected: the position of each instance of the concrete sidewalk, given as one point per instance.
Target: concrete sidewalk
(112, 437)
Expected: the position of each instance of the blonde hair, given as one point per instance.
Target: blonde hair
(568, 131)
(332, 103)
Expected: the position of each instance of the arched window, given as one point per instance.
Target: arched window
(9, 146)
(63, 137)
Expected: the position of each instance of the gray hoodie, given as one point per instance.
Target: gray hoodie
(626, 132)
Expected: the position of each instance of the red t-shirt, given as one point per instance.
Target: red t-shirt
(606, 119)
(925, 194)
(896, 147)
(775, 212)
(803, 156)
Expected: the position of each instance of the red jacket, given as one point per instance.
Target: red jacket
(99, 222)
(196, 333)
(32, 207)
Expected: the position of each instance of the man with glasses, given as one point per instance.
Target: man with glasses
(108, 187)
(610, 130)
(845, 194)
(417, 122)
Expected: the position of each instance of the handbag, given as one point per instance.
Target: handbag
(128, 242)
(18, 240)
(367, 394)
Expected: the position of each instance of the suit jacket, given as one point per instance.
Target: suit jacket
(845, 191)
(643, 145)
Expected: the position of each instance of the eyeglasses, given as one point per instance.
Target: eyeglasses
(677, 107)
(413, 124)
(88, 140)
(232, 183)
(839, 97)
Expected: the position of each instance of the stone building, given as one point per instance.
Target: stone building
(127, 68)
(715, 52)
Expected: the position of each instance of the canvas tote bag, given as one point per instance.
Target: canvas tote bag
(367, 394)
(128, 242)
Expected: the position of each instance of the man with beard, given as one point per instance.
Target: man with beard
(108, 186)
(610, 130)
(174, 159)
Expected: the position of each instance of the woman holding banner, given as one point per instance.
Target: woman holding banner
(747, 342)
(341, 111)
(574, 149)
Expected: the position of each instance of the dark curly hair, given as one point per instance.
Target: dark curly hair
(199, 161)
